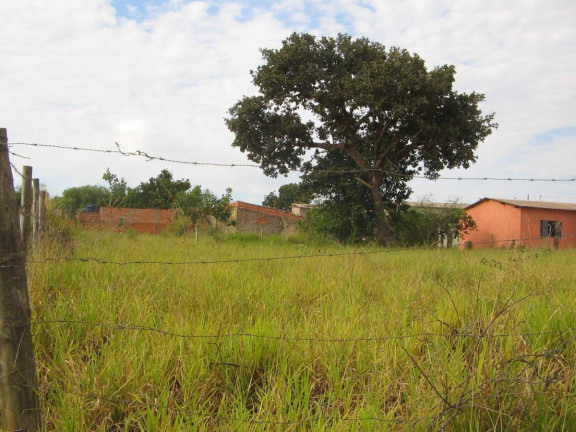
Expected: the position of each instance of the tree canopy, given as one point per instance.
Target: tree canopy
(287, 195)
(385, 116)
(158, 192)
(76, 198)
(431, 224)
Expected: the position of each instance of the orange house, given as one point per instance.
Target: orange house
(509, 223)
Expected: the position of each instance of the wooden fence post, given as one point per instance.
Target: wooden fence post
(35, 210)
(42, 220)
(19, 404)
(26, 204)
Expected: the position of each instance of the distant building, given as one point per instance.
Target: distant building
(300, 209)
(510, 223)
(262, 220)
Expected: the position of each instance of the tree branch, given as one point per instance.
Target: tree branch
(363, 182)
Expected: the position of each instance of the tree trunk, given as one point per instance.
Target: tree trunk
(383, 234)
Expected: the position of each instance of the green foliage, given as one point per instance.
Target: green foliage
(347, 225)
(76, 198)
(429, 224)
(192, 203)
(287, 195)
(220, 207)
(117, 187)
(345, 212)
(381, 107)
(412, 227)
(197, 204)
(158, 192)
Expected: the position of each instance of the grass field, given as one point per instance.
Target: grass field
(246, 334)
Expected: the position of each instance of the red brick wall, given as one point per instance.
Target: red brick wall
(122, 219)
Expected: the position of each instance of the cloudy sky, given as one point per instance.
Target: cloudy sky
(159, 76)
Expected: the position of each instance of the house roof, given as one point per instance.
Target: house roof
(262, 209)
(529, 204)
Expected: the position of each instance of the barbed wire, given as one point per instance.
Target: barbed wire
(203, 262)
(517, 242)
(137, 153)
(16, 170)
(242, 335)
(148, 157)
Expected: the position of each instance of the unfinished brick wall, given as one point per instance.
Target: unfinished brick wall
(150, 221)
(263, 220)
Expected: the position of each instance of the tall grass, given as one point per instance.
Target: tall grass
(408, 340)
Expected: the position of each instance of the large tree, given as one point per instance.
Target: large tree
(380, 107)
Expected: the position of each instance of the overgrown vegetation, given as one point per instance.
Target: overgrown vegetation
(160, 192)
(242, 333)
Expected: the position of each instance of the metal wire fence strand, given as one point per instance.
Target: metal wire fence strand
(135, 153)
(378, 338)
(204, 262)
(516, 242)
(149, 157)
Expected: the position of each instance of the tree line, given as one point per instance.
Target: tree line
(159, 192)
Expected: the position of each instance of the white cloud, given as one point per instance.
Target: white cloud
(76, 74)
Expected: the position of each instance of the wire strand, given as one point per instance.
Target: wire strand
(148, 157)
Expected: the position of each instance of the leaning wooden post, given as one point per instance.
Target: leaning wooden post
(35, 210)
(19, 404)
(26, 205)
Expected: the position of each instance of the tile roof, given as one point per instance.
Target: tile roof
(262, 209)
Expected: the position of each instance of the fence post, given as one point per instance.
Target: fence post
(35, 210)
(19, 404)
(26, 204)
(42, 220)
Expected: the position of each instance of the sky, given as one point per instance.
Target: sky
(158, 76)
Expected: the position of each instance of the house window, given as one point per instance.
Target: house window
(550, 228)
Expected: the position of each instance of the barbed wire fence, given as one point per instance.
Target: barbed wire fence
(149, 157)
(448, 409)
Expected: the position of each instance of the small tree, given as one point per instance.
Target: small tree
(287, 195)
(117, 187)
(220, 207)
(428, 223)
(76, 198)
(197, 203)
(158, 192)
